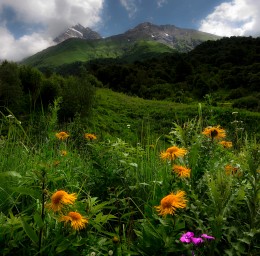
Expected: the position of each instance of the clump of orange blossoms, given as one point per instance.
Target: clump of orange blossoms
(214, 132)
(231, 170)
(77, 221)
(182, 171)
(173, 152)
(61, 198)
(169, 204)
(90, 136)
(226, 144)
(62, 135)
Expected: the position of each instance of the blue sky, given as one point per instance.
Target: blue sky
(29, 26)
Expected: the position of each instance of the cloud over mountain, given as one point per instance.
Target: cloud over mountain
(50, 17)
(238, 17)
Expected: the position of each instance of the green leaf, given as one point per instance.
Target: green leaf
(10, 173)
(27, 191)
(38, 220)
(29, 231)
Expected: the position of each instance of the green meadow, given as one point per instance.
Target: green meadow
(135, 177)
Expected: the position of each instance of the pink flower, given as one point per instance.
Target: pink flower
(208, 237)
(186, 238)
(196, 240)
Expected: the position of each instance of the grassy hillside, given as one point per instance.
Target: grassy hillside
(135, 118)
(78, 50)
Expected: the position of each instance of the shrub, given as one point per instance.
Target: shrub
(248, 102)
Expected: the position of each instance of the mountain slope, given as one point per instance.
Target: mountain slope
(77, 31)
(155, 39)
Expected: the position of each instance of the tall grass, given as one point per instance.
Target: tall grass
(118, 183)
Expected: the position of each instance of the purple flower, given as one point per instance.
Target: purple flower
(196, 240)
(207, 237)
(186, 238)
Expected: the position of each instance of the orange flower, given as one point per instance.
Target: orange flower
(90, 136)
(173, 152)
(226, 144)
(169, 204)
(214, 132)
(61, 198)
(182, 171)
(231, 169)
(76, 220)
(63, 152)
(62, 135)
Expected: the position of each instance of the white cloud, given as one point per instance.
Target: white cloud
(160, 3)
(130, 6)
(235, 18)
(16, 49)
(54, 16)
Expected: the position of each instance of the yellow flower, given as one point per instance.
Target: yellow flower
(169, 204)
(62, 135)
(231, 169)
(90, 136)
(63, 152)
(214, 132)
(226, 144)
(76, 220)
(61, 198)
(182, 171)
(173, 152)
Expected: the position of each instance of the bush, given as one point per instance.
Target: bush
(249, 102)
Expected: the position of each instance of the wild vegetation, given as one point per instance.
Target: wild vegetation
(85, 170)
(72, 191)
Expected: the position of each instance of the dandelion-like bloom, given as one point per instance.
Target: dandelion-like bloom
(231, 169)
(63, 152)
(77, 221)
(214, 132)
(169, 204)
(226, 144)
(173, 152)
(62, 135)
(61, 198)
(182, 171)
(90, 136)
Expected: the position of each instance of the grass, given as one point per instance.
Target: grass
(114, 112)
(78, 50)
(120, 177)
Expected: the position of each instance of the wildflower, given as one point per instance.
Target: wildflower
(214, 132)
(226, 144)
(231, 169)
(207, 237)
(56, 163)
(92, 254)
(182, 171)
(173, 152)
(62, 135)
(196, 240)
(61, 198)
(63, 152)
(169, 204)
(115, 240)
(76, 220)
(186, 238)
(90, 136)
(110, 252)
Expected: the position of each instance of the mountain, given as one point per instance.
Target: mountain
(180, 39)
(143, 41)
(77, 31)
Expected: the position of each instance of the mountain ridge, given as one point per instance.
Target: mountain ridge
(158, 39)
